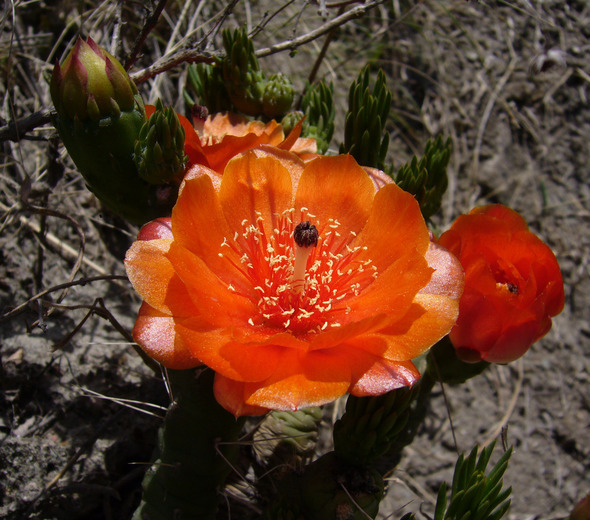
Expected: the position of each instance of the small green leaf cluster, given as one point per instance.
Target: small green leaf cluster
(370, 425)
(318, 106)
(427, 178)
(364, 132)
(206, 82)
(159, 150)
(244, 81)
(236, 82)
(475, 495)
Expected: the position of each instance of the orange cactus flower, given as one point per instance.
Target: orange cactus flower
(295, 281)
(213, 141)
(513, 285)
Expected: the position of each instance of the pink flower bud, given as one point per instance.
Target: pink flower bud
(91, 78)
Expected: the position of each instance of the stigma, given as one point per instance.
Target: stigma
(306, 238)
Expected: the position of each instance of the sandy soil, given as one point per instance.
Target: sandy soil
(459, 68)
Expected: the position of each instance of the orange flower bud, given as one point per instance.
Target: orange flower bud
(513, 285)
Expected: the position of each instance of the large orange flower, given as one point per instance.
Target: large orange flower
(289, 322)
(213, 141)
(513, 285)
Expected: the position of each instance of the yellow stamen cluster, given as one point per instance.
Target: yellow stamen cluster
(305, 300)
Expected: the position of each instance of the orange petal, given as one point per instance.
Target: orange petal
(448, 278)
(504, 214)
(199, 226)
(515, 340)
(372, 375)
(479, 324)
(233, 135)
(293, 136)
(255, 184)
(379, 177)
(216, 348)
(392, 291)
(292, 162)
(429, 318)
(535, 261)
(229, 123)
(190, 136)
(263, 335)
(274, 133)
(214, 300)
(230, 395)
(154, 278)
(395, 223)
(154, 332)
(335, 188)
(219, 154)
(306, 148)
(335, 336)
(301, 381)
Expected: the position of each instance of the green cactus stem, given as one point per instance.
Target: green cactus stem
(370, 425)
(290, 120)
(99, 118)
(194, 453)
(328, 489)
(287, 437)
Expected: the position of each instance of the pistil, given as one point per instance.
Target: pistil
(306, 237)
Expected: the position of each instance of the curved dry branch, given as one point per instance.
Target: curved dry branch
(196, 54)
(289, 45)
(16, 130)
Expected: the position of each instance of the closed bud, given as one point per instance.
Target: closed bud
(278, 96)
(159, 151)
(290, 120)
(89, 70)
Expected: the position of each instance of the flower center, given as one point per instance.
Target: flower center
(507, 277)
(301, 274)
